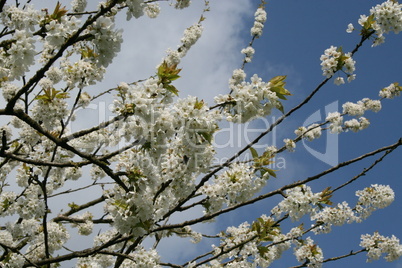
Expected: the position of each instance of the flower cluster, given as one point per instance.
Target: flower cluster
(333, 60)
(289, 144)
(357, 125)
(336, 121)
(384, 18)
(86, 227)
(152, 10)
(57, 237)
(310, 133)
(107, 42)
(337, 215)
(373, 198)
(359, 108)
(135, 8)
(235, 185)
(17, 18)
(309, 252)
(78, 5)
(248, 52)
(18, 56)
(249, 100)
(391, 91)
(190, 37)
(252, 253)
(260, 17)
(299, 201)
(376, 245)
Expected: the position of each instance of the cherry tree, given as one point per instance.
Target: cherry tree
(148, 172)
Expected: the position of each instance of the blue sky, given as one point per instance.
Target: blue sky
(295, 35)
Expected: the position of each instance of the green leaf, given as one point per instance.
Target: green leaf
(51, 94)
(198, 104)
(262, 251)
(73, 206)
(278, 86)
(172, 89)
(207, 136)
(254, 152)
(270, 172)
(279, 106)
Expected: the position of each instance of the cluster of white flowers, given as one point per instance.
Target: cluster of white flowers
(299, 201)
(78, 5)
(249, 100)
(310, 133)
(143, 259)
(107, 41)
(152, 10)
(82, 72)
(334, 60)
(50, 112)
(178, 146)
(235, 185)
(86, 227)
(309, 252)
(249, 255)
(370, 199)
(353, 109)
(57, 31)
(391, 91)
(9, 90)
(290, 145)
(357, 125)
(260, 17)
(186, 231)
(386, 17)
(373, 198)
(376, 245)
(190, 37)
(337, 215)
(18, 18)
(336, 121)
(359, 108)
(18, 56)
(57, 237)
(271, 150)
(249, 53)
(135, 8)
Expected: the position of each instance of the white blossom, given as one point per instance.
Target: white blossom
(373, 198)
(260, 17)
(336, 121)
(299, 201)
(334, 60)
(290, 145)
(376, 245)
(310, 133)
(248, 100)
(350, 28)
(391, 91)
(310, 252)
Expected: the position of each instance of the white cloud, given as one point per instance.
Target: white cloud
(208, 65)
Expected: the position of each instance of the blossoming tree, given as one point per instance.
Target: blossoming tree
(154, 158)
